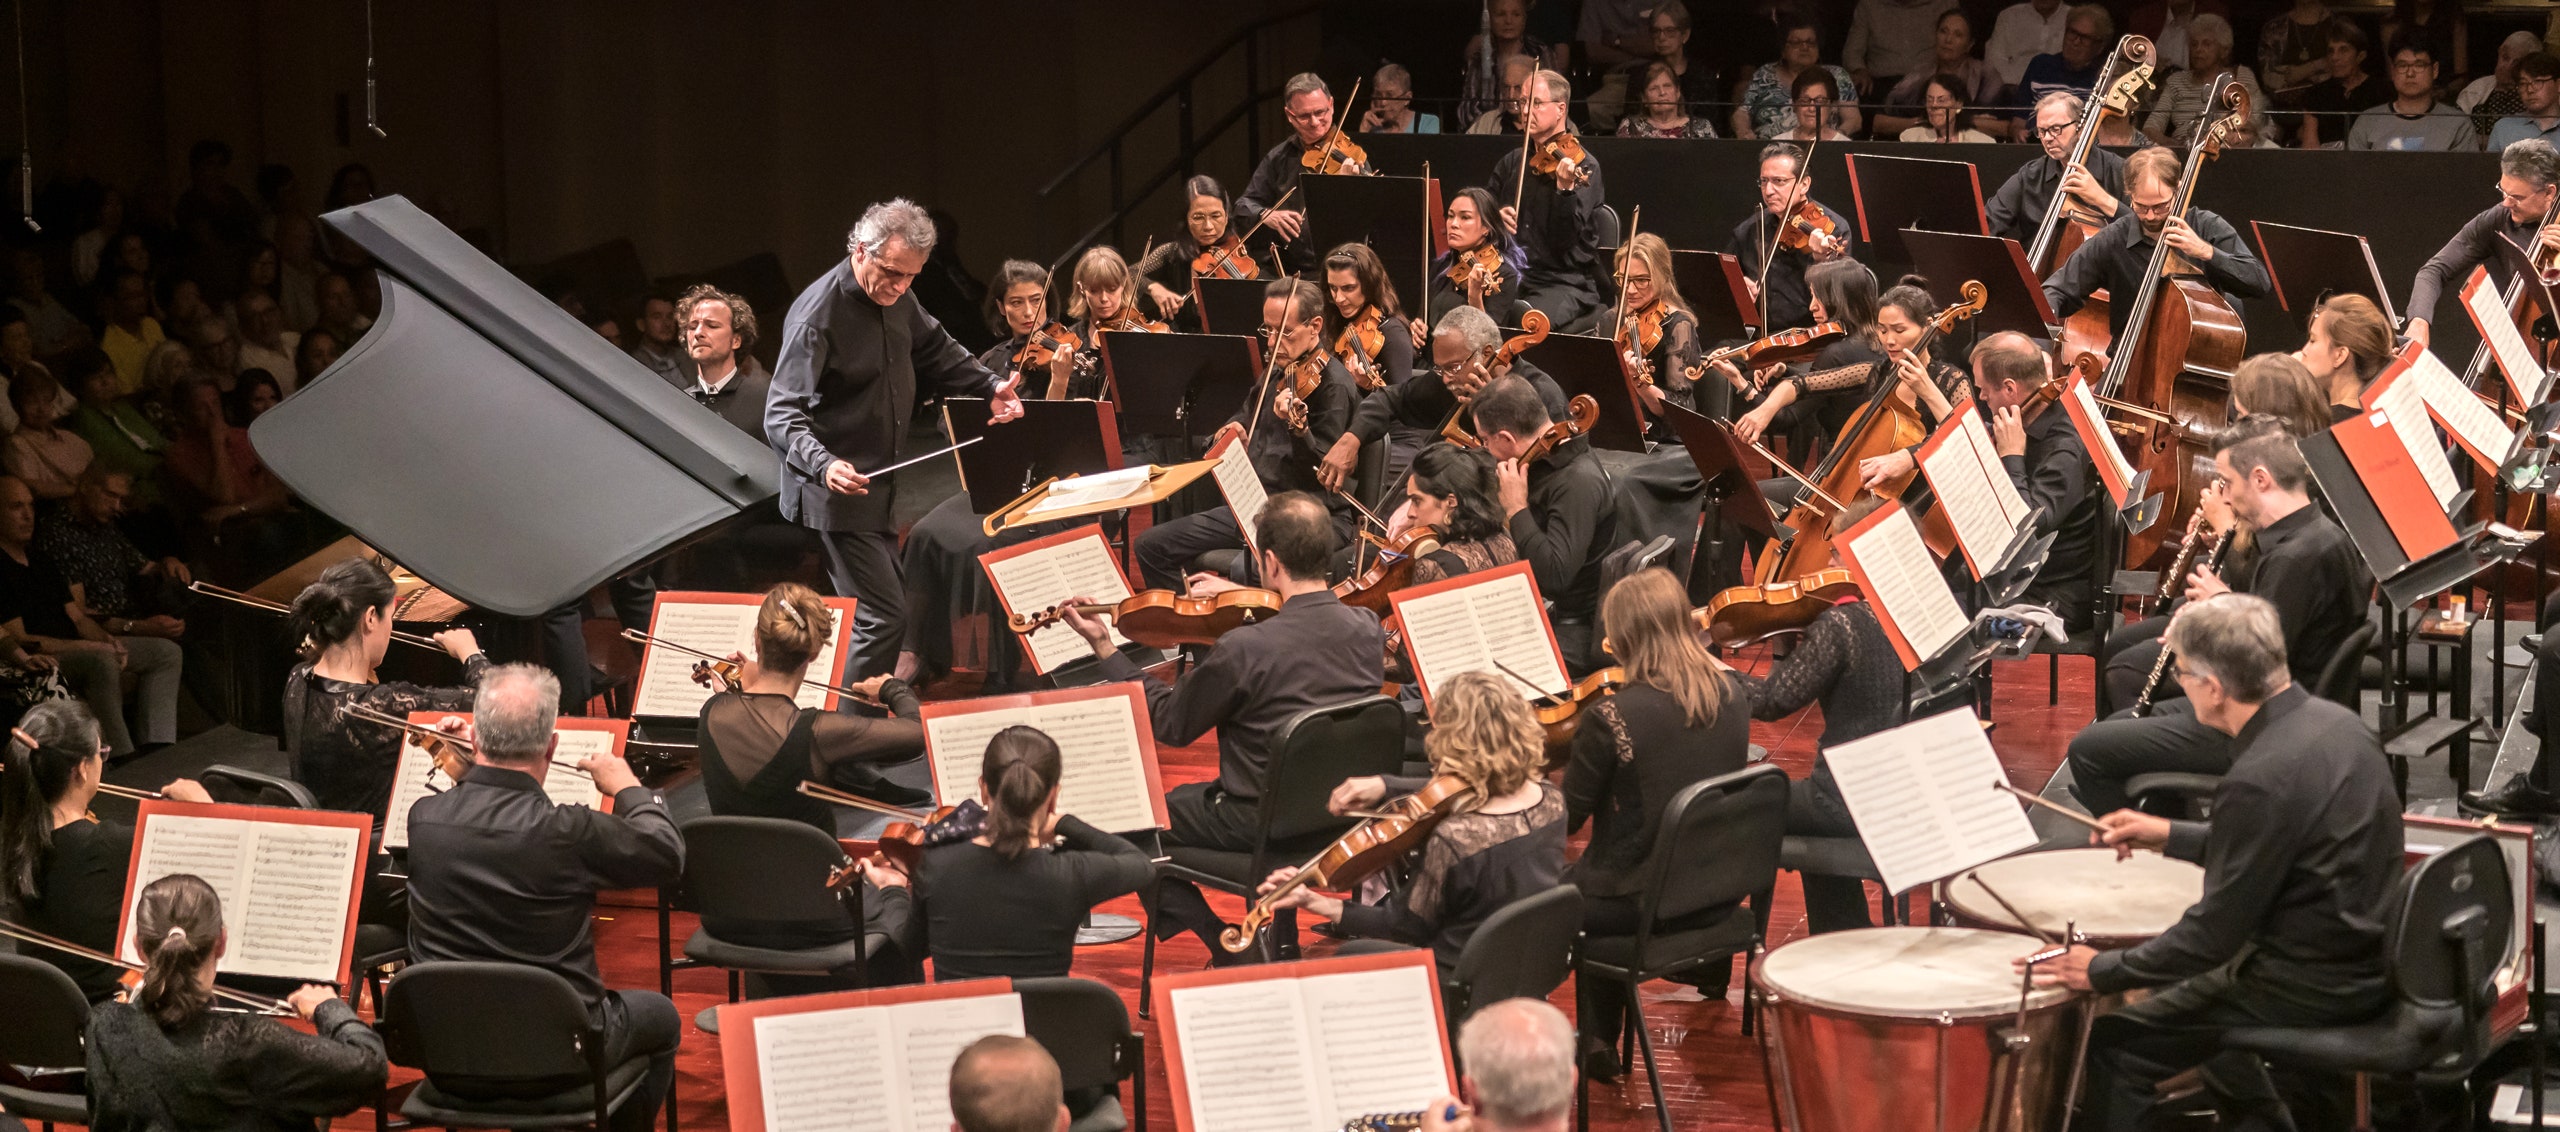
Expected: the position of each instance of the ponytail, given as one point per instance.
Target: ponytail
(331, 610)
(1020, 771)
(178, 921)
(44, 753)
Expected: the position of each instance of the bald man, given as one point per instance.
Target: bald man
(1002, 1083)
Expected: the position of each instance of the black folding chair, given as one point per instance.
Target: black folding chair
(504, 1045)
(771, 872)
(41, 1041)
(1523, 950)
(1085, 1027)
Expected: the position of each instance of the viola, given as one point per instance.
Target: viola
(1741, 615)
(1392, 570)
(1336, 153)
(1306, 375)
(1044, 345)
(1533, 330)
(1163, 619)
(1560, 716)
(1356, 856)
(903, 843)
(1562, 158)
(1225, 259)
(1783, 346)
(1637, 336)
(1582, 415)
(1479, 266)
(1358, 346)
(1804, 219)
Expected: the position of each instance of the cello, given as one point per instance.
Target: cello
(2117, 94)
(2186, 341)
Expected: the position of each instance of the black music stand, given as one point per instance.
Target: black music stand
(1180, 384)
(1726, 479)
(2017, 297)
(2311, 264)
(1050, 439)
(1230, 306)
(1584, 366)
(1719, 295)
(2405, 581)
(1891, 195)
(1396, 216)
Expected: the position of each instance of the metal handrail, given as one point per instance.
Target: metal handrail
(1175, 86)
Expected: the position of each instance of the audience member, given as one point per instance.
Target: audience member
(42, 454)
(1391, 105)
(181, 304)
(1671, 25)
(2087, 37)
(1505, 118)
(255, 392)
(2188, 92)
(317, 351)
(129, 592)
(57, 331)
(1818, 102)
(2538, 92)
(2170, 26)
(105, 222)
(2435, 24)
(338, 314)
(260, 270)
(655, 343)
(1495, 89)
(216, 219)
(264, 343)
(1518, 1075)
(1976, 84)
(1944, 117)
(1768, 102)
(1890, 40)
(2413, 119)
(1001, 1083)
(1614, 33)
(216, 352)
(43, 609)
(1662, 113)
(2293, 51)
(222, 489)
(170, 363)
(2330, 108)
(298, 272)
(131, 333)
(2493, 96)
(120, 438)
(2023, 31)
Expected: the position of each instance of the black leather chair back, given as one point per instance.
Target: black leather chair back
(1524, 950)
(2341, 676)
(1314, 751)
(236, 786)
(1718, 843)
(46, 1015)
(767, 870)
(489, 1022)
(1084, 1026)
(2456, 919)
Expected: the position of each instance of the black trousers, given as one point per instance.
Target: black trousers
(2180, 1027)
(863, 565)
(1831, 903)
(1165, 551)
(1562, 303)
(1201, 815)
(634, 597)
(2109, 752)
(2131, 651)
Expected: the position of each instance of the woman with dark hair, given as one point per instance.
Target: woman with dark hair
(254, 394)
(2346, 343)
(1952, 57)
(343, 621)
(1817, 99)
(1843, 291)
(1356, 284)
(1933, 386)
(63, 868)
(317, 351)
(168, 1062)
(1017, 306)
(1768, 107)
(1473, 223)
(1453, 491)
(1942, 113)
(1013, 896)
(1167, 270)
(1660, 112)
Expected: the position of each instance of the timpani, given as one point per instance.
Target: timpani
(2111, 903)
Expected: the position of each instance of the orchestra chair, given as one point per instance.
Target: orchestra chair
(1717, 847)
(769, 871)
(241, 787)
(1311, 753)
(1085, 1027)
(1808, 855)
(380, 948)
(503, 1045)
(47, 1015)
(2453, 925)
(1523, 950)
(2341, 682)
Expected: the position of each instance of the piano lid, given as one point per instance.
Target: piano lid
(480, 436)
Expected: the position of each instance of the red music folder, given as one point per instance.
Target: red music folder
(1919, 613)
(876, 1059)
(2382, 462)
(288, 880)
(720, 624)
(1311, 1044)
(1106, 747)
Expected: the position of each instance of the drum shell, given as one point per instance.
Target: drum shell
(1842, 1071)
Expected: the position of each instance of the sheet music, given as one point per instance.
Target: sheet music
(824, 1070)
(2515, 359)
(1033, 580)
(930, 1035)
(1377, 1040)
(2402, 406)
(1103, 772)
(718, 628)
(1243, 488)
(1907, 587)
(1078, 492)
(1923, 799)
(1484, 627)
(1972, 484)
(284, 888)
(1248, 1061)
(567, 785)
(2102, 446)
(417, 778)
(2482, 431)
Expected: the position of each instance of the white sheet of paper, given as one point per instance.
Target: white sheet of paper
(1076, 492)
(1970, 482)
(1037, 579)
(284, 888)
(2461, 412)
(1243, 488)
(2405, 410)
(418, 778)
(1249, 1063)
(1483, 628)
(666, 675)
(930, 1035)
(2515, 359)
(1377, 1041)
(1908, 586)
(1103, 774)
(2109, 451)
(1923, 799)
(829, 1069)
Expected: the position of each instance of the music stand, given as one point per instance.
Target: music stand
(2017, 297)
(1892, 195)
(1051, 439)
(1230, 306)
(1721, 471)
(1584, 366)
(1180, 384)
(2311, 264)
(1395, 216)
(1719, 295)
(2404, 580)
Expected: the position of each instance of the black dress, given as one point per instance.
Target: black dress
(228, 1072)
(348, 763)
(80, 886)
(1018, 918)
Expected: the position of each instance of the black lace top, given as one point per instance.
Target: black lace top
(349, 763)
(1847, 663)
(1473, 865)
(228, 1072)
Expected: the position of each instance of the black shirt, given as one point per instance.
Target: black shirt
(758, 747)
(1273, 177)
(1559, 231)
(2300, 861)
(2119, 255)
(2480, 241)
(739, 400)
(1285, 457)
(1316, 652)
(2337, 107)
(80, 886)
(2055, 474)
(1018, 918)
(1783, 291)
(1571, 521)
(1472, 866)
(1425, 403)
(36, 591)
(498, 872)
(1448, 294)
(1846, 663)
(2309, 569)
(2019, 208)
(349, 763)
(1635, 752)
(227, 1072)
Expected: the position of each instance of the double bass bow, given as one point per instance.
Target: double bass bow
(2117, 94)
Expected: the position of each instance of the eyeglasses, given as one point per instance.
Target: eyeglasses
(1451, 369)
(2412, 66)
(1776, 182)
(2069, 34)
(2054, 131)
(1309, 116)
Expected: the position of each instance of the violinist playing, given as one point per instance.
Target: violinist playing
(1932, 386)
(1019, 296)
(1308, 105)
(1208, 246)
(1482, 267)
(344, 621)
(1503, 841)
(1557, 505)
(1780, 239)
(1659, 341)
(759, 744)
(1556, 218)
(2019, 208)
(1105, 301)
(1453, 491)
(1366, 330)
(1466, 352)
(1014, 895)
(2528, 179)
(2048, 465)
(1303, 410)
(1315, 652)
(2117, 257)
(1841, 292)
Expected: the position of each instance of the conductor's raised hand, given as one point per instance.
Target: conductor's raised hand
(843, 479)
(2128, 830)
(1006, 403)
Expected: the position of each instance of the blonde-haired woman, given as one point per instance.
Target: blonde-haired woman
(1503, 841)
(1105, 298)
(1655, 309)
(168, 1060)
(1679, 719)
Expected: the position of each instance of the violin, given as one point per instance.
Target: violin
(1637, 336)
(1784, 346)
(1479, 267)
(1358, 347)
(1336, 153)
(1582, 415)
(903, 841)
(708, 668)
(1560, 716)
(1162, 619)
(1306, 375)
(1044, 345)
(1225, 259)
(1803, 220)
(1392, 571)
(1742, 615)
(1533, 330)
(1356, 856)
(1562, 158)
(1134, 323)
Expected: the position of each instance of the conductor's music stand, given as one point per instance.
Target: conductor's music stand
(1051, 439)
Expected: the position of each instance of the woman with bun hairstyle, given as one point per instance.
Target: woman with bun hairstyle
(2346, 343)
(343, 622)
(62, 868)
(168, 1062)
(1934, 385)
(1015, 894)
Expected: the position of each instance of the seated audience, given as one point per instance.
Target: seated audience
(2187, 93)
(2436, 23)
(251, 397)
(40, 607)
(2413, 119)
(1613, 32)
(131, 333)
(1973, 83)
(298, 272)
(656, 342)
(1014, 896)
(1505, 116)
(2086, 40)
(2538, 104)
(127, 591)
(1001, 1083)
(2293, 51)
(2170, 25)
(317, 351)
(220, 485)
(1944, 117)
(2023, 31)
(1391, 105)
(1491, 91)
(216, 351)
(1818, 108)
(57, 330)
(1769, 101)
(1891, 39)
(2493, 96)
(2330, 108)
(336, 296)
(120, 437)
(264, 342)
(105, 225)
(1662, 111)
(45, 456)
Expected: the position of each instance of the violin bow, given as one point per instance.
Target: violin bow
(1324, 152)
(1521, 185)
(1263, 219)
(23, 934)
(1271, 365)
(1769, 255)
(637, 637)
(279, 608)
(1626, 256)
(856, 801)
(112, 790)
(1526, 682)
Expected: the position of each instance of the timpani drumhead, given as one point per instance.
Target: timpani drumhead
(2135, 898)
(1906, 972)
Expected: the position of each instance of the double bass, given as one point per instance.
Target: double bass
(2186, 341)
(2118, 94)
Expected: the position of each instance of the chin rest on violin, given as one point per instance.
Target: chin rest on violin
(1391, 571)
(1162, 619)
(1560, 716)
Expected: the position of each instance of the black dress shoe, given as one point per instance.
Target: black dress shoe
(2518, 798)
(1600, 1063)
